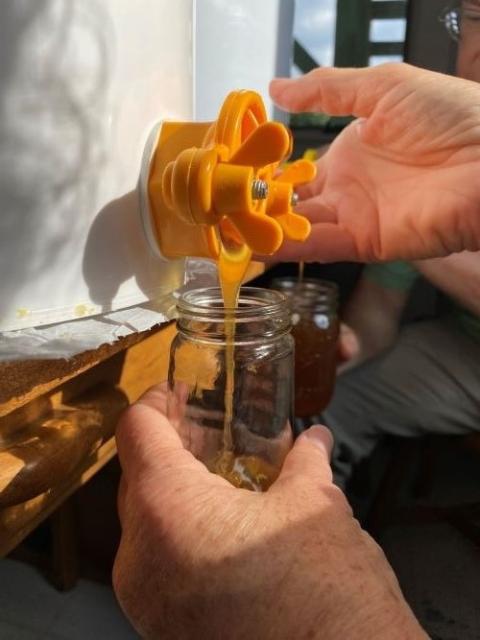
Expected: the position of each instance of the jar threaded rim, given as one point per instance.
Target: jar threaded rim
(202, 311)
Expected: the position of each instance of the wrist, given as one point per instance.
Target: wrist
(370, 608)
(357, 595)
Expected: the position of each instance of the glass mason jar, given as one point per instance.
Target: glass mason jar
(315, 329)
(230, 383)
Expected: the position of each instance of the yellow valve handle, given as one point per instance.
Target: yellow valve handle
(298, 172)
(230, 183)
(257, 232)
(294, 226)
(280, 201)
(264, 146)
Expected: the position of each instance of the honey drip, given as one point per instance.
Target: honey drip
(301, 270)
(243, 471)
(232, 267)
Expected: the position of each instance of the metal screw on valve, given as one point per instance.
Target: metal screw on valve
(259, 190)
(295, 199)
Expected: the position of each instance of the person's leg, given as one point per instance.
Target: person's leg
(429, 382)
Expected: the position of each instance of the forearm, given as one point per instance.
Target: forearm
(389, 617)
(380, 613)
(457, 275)
(361, 597)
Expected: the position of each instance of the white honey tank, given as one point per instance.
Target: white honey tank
(83, 82)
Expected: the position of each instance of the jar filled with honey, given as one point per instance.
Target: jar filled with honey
(315, 328)
(230, 383)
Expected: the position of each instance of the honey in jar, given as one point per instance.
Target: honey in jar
(315, 329)
(244, 472)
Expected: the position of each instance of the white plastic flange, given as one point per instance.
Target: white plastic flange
(145, 210)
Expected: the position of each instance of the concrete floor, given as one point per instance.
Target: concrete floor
(31, 609)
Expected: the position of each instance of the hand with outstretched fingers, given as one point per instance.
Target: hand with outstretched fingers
(400, 182)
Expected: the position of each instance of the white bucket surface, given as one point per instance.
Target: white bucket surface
(82, 83)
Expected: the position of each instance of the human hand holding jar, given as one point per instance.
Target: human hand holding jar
(200, 558)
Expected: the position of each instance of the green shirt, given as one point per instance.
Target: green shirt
(402, 276)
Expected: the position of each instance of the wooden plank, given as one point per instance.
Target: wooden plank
(428, 44)
(388, 9)
(386, 48)
(352, 33)
(23, 381)
(18, 521)
(65, 561)
(82, 408)
(146, 364)
(129, 375)
(88, 396)
(302, 58)
(37, 457)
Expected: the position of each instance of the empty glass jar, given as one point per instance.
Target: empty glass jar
(315, 329)
(230, 383)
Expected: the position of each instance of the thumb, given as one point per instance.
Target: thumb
(309, 457)
(149, 445)
(340, 92)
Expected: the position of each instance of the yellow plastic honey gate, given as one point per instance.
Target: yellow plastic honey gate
(215, 186)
